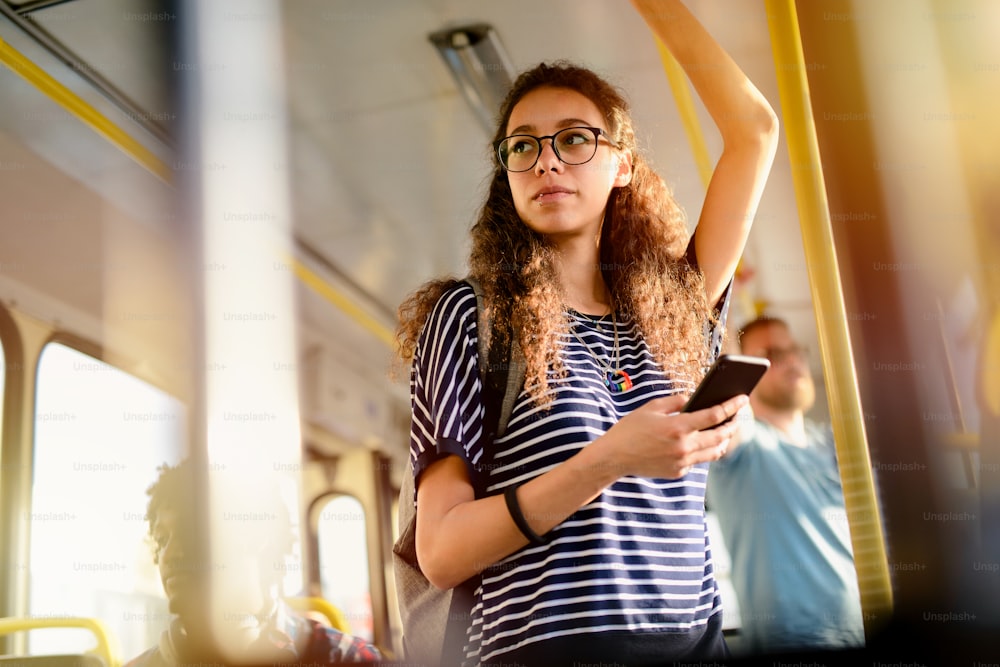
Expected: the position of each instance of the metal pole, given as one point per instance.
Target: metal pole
(831, 318)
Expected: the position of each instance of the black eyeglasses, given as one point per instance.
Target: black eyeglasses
(574, 145)
(778, 354)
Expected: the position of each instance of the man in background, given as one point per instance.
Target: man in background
(251, 536)
(780, 506)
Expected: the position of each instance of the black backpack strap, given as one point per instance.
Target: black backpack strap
(502, 375)
(492, 371)
(463, 598)
(516, 368)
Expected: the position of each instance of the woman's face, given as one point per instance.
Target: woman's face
(557, 199)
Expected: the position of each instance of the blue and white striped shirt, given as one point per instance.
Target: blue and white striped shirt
(635, 560)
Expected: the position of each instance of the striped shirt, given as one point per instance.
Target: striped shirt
(635, 560)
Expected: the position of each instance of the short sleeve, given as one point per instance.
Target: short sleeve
(445, 386)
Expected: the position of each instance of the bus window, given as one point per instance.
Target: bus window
(100, 435)
(341, 534)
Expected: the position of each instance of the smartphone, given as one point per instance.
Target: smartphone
(730, 375)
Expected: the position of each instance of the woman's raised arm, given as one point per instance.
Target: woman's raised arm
(749, 129)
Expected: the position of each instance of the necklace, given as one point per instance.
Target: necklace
(598, 322)
(615, 379)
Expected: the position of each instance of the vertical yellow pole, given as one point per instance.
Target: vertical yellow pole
(831, 319)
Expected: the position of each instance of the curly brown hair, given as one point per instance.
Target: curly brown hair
(642, 245)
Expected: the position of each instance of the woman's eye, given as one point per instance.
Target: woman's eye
(521, 146)
(575, 138)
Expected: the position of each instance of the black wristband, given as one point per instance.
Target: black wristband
(510, 496)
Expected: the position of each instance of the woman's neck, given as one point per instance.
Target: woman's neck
(582, 282)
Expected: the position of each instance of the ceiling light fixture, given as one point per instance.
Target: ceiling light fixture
(480, 65)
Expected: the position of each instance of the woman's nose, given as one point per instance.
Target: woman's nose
(547, 160)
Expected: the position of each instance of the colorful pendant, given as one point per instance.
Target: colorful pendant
(617, 381)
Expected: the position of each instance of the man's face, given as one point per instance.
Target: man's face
(175, 557)
(226, 579)
(788, 384)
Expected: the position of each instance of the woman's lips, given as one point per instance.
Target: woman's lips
(551, 194)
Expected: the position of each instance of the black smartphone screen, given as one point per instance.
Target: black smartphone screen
(730, 375)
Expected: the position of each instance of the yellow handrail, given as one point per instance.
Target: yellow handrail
(686, 109)
(831, 317)
(107, 645)
(75, 105)
(344, 303)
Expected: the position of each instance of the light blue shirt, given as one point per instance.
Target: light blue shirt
(781, 510)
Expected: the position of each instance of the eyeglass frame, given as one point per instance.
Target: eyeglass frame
(598, 133)
(777, 355)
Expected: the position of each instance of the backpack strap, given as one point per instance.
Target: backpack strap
(463, 599)
(516, 369)
(503, 373)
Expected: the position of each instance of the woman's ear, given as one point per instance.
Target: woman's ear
(624, 174)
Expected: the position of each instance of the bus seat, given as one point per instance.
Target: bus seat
(105, 654)
(306, 604)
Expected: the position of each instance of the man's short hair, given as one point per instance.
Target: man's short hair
(172, 490)
(757, 323)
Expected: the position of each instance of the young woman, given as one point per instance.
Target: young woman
(590, 539)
